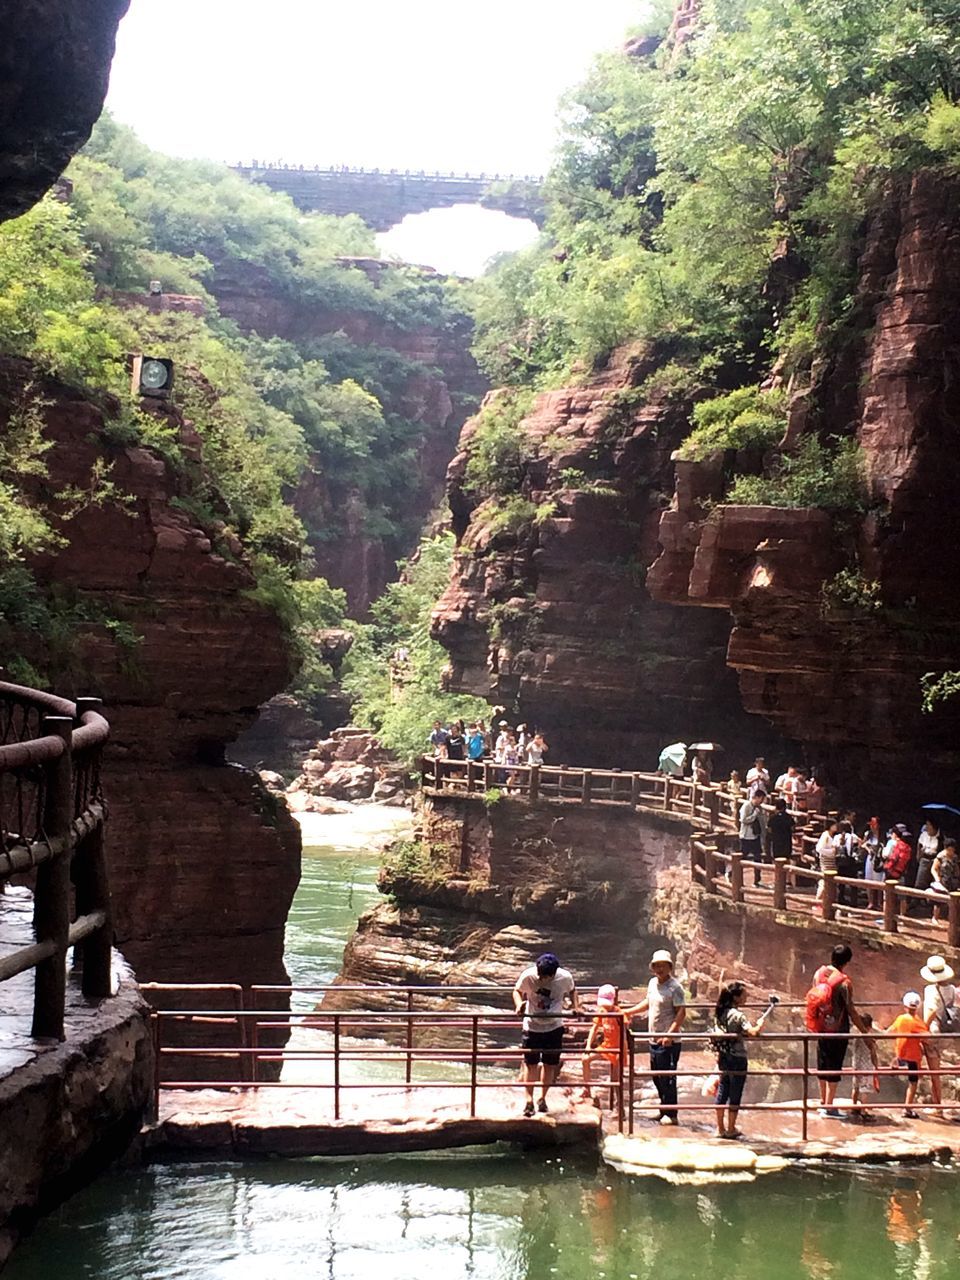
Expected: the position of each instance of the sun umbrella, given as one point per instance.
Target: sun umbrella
(672, 758)
(944, 808)
(704, 746)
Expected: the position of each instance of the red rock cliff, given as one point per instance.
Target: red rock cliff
(550, 615)
(442, 383)
(203, 862)
(845, 677)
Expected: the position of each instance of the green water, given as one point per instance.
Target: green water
(494, 1217)
(486, 1215)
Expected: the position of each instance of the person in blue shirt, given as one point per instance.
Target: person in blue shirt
(439, 739)
(475, 743)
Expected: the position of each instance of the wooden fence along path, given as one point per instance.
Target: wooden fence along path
(715, 864)
(52, 817)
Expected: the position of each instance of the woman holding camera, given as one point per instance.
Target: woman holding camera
(732, 1054)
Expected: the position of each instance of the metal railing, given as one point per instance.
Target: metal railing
(485, 1045)
(52, 817)
(481, 1043)
(792, 1073)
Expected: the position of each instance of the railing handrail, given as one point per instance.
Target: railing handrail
(52, 815)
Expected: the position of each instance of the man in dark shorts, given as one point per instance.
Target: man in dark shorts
(832, 1050)
(539, 995)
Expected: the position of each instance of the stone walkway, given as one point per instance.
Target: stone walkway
(298, 1122)
(83, 1018)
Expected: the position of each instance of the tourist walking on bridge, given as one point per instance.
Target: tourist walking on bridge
(665, 1007)
(940, 1014)
(540, 994)
(732, 1054)
(830, 1009)
(753, 828)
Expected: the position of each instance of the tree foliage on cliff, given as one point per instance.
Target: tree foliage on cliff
(687, 179)
(400, 699)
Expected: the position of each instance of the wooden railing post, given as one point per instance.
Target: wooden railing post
(953, 920)
(694, 858)
(694, 788)
(710, 869)
(828, 901)
(634, 790)
(779, 884)
(666, 792)
(713, 801)
(471, 766)
(486, 775)
(534, 791)
(736, 877)
(586, 787)
(93, 893)
(890, 905)
(51, 908)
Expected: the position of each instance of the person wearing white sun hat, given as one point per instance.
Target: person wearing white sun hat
(941, 1016)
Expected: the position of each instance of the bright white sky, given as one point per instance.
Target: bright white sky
(419, 84)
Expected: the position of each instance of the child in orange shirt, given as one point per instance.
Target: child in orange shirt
(606, 1030)
(909, 1047)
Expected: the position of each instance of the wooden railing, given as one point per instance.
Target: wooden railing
(888, 905)
(715, 863)
(52, 819)
(708, 807)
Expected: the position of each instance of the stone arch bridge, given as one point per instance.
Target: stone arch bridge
(384, 198)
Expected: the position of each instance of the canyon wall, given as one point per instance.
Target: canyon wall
(183, 649)
(54, 68)
(489, 887)
(843, 675)
(435, 386)
(550, 617)
(629, 606)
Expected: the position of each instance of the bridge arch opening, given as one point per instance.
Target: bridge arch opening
(457, 241)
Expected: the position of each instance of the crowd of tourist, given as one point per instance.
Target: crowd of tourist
(544, 990)
(503, 744)
(770, 817)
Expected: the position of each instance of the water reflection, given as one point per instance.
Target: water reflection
(493, 1217)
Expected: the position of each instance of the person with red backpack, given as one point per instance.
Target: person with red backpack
(829, 1011)
(898, 859)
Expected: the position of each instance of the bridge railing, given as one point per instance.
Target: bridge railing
(783, 885)
(52, 817)
(366, 1049)
(794, 884)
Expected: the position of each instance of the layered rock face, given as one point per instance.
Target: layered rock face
(551, 617)
(842, 673)
(54, 68)
(440, 387)
(200, 854)
(507, 882)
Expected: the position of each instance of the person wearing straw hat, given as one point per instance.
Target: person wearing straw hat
(665, 1007)
(941, 1016)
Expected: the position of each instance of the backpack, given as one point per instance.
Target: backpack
(948, 1017)
(821, 1013)
(721, 1047)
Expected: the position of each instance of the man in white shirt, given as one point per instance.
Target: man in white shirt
(784, 784)
(665, 1007)
(758, 778)
(540, 994)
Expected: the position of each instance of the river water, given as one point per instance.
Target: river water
(484, 1215)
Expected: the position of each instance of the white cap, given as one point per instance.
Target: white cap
(911, 1000)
